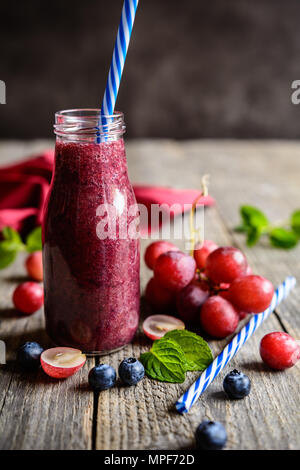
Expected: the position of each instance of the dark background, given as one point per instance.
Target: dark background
(195, 68)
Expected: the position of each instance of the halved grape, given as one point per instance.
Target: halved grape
(62, 362)
(156, 326)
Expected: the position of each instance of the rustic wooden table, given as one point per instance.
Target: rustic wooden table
(37, 412)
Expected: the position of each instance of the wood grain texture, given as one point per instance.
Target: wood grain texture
(38, 413)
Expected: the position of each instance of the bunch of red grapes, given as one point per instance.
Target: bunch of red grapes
(215, 288)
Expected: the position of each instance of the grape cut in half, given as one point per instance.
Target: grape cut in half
(62, 362)
(156, 326)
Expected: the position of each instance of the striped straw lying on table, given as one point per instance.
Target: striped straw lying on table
(187, 400)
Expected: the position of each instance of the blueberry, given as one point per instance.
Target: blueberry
(211, 435)
(28, 355)
(236, 384)
(131, 371)
(102, 377)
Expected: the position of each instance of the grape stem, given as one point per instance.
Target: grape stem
(194, 232)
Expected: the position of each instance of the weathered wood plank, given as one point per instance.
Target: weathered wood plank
(37, 412)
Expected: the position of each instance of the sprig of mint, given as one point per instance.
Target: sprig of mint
(34, 240)
(255, 224)
(295, 222)
(165, 361)
(12, 244)
(197, 352)
(177, 352)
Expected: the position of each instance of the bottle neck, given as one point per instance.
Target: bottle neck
(86, 125)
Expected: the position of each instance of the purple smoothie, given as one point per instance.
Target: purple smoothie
(92, 289)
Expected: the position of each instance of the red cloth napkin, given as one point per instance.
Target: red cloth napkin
(24, 186)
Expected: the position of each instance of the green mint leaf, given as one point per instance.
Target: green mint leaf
(253, 235)
(10, 246)
(12, 240)
(34, 240)
(165, 361)
(197, 352)
(11, 234)
(7, 256)
(253, 217)
(241, 228)
(282, 238)
(295, 222)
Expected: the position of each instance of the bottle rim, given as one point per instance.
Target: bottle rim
(85, 124)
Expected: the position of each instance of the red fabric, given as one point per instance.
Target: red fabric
(24, 186)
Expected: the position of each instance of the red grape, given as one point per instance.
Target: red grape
(279, 350)
(155, 249)
(156, 326)
(190, 299)
(217, 288)
(242, 314)
(202, 250)
(252, 294)
(34, 266)
(218, 317)
(249, 270)
(28, 297)
(158, 297)
(174, 270)
(224, 285)
(62, 362)
(225, 264)
(226, 295)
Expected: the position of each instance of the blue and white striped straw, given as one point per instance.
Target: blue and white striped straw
(117, 63)
(187, 400)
